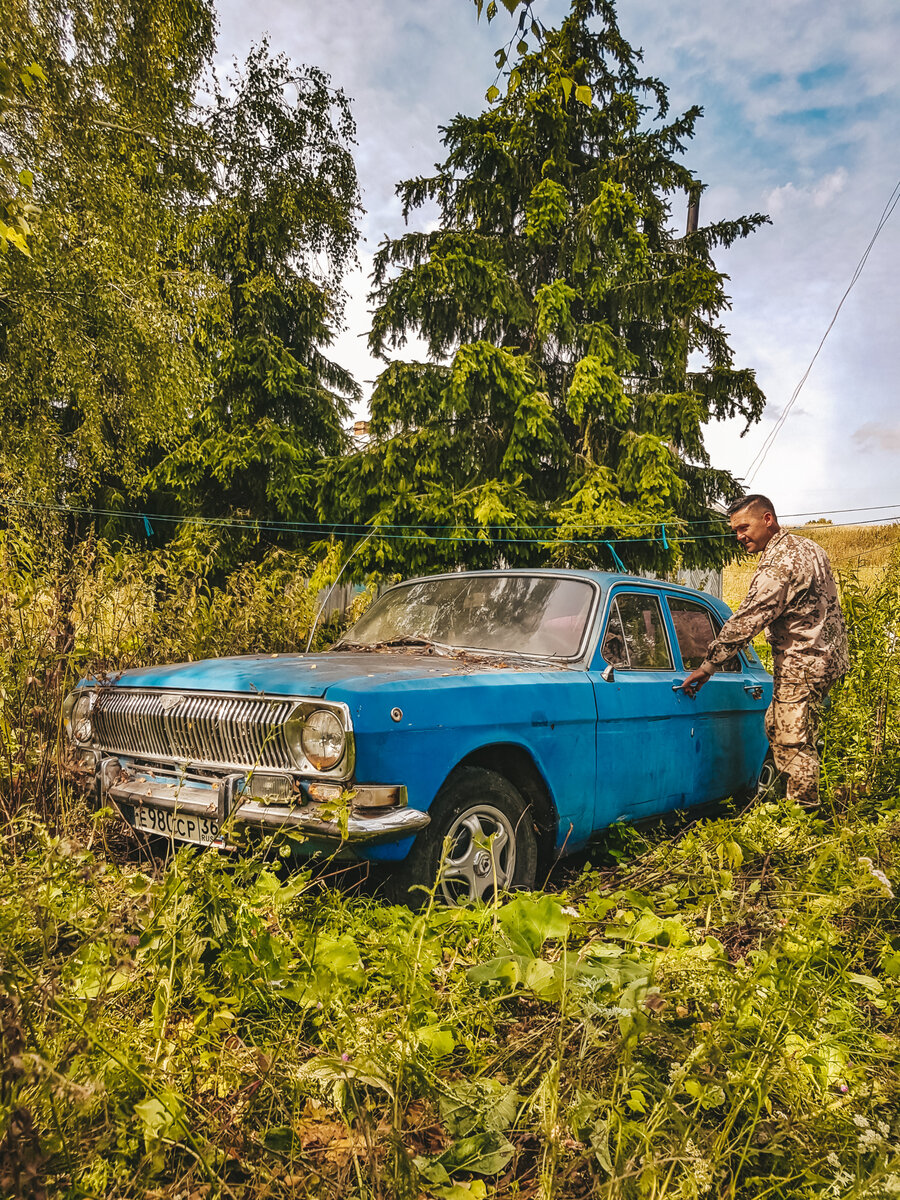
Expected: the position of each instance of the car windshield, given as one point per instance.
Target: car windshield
(513, 614)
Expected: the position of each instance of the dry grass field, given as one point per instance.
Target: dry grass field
(863, 548)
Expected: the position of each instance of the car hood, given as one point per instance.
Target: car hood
(307, 674)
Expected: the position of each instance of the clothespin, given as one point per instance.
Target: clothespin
(148, 528)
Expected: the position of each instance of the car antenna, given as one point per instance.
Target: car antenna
(331, 589)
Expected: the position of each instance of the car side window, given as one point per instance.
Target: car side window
(695, 629)
(635, 637)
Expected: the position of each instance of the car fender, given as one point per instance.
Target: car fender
(416, 732)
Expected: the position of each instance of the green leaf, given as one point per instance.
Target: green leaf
(339, 957)
(867, 981)
(473, 1189)
(486, 1153)
(279, 1138)
(473, 1106)
(160, 1007)
(161, 1116)
(529, 921)
(492, 93)
(584, 94)
(437, 1040)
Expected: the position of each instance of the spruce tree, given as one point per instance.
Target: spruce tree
(575, 346)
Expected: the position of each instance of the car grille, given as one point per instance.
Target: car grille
(221, 731)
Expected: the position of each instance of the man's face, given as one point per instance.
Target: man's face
(754, 528)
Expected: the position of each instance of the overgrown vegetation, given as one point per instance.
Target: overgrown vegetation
(712, 1012)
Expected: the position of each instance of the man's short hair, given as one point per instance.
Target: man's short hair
(756, 500)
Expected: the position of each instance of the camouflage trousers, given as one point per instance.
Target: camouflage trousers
(792, 720)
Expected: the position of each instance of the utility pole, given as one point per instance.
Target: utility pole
(693, 222)
(693, 213)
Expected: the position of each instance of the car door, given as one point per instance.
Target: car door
(645, 755)
(729, 710)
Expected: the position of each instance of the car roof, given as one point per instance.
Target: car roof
(606, 579)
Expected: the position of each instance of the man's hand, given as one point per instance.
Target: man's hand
(695, 681)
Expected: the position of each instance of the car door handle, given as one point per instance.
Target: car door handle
(754, 690)
(676, 687)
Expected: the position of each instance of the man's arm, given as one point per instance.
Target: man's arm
(765, 601)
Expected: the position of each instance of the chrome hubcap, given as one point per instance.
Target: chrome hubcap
(481, 858)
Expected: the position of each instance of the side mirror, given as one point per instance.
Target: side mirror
(608, 673)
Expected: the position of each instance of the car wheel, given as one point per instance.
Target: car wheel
(481, 841)
(765, 784)
(768, 777)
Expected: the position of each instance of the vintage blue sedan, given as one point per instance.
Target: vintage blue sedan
(470, 728)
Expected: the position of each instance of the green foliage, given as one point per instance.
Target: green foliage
(278, 234)
(715, 1013)
(19, 80)
(864, 750)
(575, 345)
(722, 1020)
(163, 347)
(96, 365)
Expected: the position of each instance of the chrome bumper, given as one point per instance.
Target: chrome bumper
(224, 804)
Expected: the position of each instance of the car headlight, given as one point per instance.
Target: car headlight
(77, 711)
(322, 738)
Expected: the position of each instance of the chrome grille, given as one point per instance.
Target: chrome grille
(221, 731)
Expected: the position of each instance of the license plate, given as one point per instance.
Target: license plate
(183, 827)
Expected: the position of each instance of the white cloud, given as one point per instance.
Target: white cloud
(820, 193)
(879, 438)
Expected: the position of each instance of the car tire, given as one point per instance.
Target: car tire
(492, 844)
(765, 787)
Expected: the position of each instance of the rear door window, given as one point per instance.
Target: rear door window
(695, 629)
(635, 635)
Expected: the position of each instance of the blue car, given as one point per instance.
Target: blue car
(470, 728)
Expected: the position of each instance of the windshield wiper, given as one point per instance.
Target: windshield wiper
(414, 641)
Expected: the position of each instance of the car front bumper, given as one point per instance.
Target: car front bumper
(224, 803)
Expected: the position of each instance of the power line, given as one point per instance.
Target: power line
(340, 528)
(762, 453)
(426, 532)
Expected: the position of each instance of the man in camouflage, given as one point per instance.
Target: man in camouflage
(792, 596)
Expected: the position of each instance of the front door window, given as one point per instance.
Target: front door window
(695, 630)
(635, 637)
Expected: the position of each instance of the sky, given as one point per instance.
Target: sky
(801, 104)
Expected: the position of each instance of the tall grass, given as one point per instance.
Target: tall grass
(68, 611)
(708, 1013)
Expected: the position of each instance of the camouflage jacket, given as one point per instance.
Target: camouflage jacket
(793, 597)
